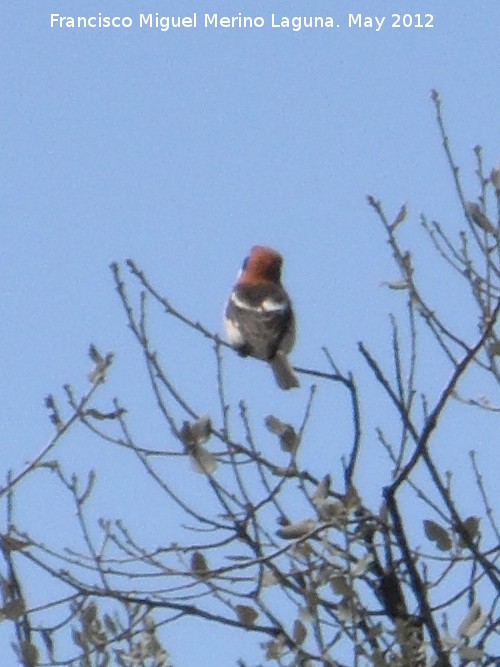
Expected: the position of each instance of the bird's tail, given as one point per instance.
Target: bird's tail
(283, 372)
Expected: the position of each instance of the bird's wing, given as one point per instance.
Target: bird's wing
(261, 316)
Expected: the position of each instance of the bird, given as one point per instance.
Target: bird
(259, 318)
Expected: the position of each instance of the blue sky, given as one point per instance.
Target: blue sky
(181, 149)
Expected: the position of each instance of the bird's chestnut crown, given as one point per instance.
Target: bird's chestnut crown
(262, 265)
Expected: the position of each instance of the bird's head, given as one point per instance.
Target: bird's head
(263, 265)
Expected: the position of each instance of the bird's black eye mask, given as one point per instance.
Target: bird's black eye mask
(245, 264)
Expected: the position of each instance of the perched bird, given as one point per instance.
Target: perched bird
(259, 317)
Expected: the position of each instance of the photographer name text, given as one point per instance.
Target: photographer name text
(156, 21)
